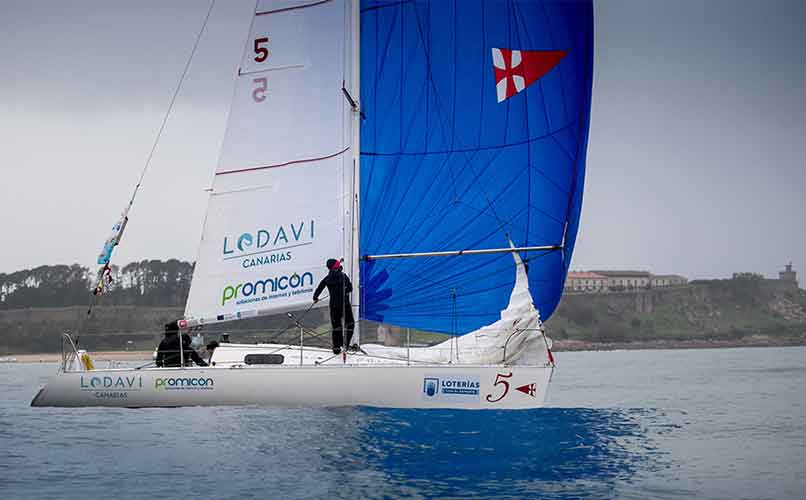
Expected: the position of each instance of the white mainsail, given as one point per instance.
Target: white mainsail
(283, 192)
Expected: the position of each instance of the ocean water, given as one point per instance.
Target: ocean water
(721, 424)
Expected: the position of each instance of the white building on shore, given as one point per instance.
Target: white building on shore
(603, 281)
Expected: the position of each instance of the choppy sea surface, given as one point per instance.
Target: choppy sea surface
(721, 424)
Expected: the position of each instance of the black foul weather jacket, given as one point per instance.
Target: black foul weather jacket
(338, 286)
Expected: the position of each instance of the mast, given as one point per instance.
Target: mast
(352, 163)
(355, 83)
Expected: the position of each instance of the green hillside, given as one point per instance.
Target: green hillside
(708, 309)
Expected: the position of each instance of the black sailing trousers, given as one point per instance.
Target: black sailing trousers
(342, 334)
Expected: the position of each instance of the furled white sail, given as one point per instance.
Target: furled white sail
(283, 189)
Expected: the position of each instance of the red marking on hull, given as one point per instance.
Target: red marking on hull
(528, 389)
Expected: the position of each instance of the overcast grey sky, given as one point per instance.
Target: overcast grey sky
(695, 161)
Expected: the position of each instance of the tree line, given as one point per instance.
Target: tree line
(144, 283)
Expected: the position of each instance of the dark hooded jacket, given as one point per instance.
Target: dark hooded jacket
(338, 287)
(168, 353)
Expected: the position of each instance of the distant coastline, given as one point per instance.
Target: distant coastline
(750, 341)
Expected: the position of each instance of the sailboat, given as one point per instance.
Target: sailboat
(439, 149)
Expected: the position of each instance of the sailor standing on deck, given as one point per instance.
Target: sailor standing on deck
(339, 287)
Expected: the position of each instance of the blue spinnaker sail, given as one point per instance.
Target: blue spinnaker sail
(475, 132)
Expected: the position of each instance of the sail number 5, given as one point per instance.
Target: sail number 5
(259, 94)
(500, 379)
(262, 53)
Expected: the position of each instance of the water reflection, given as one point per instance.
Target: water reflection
(382, 453)
(455, 453)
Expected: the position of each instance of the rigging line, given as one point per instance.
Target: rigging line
(162, 127)
(406, 58)
(403, 197)
(443, 125)
(447, 239)
(455, 282)
(295, 7)
(171, 104)
(443, 201)
(460, 278)
(425, 267)
(516, 12)
(425, 82)
(425, 89)
(508, 101)
(440, 107)
(455, 57)
(551, 217)
(511, 224)
(401, 80)
(440, 200)
(435, 176)
(288, 346)
(469, 165)
(384, 56)
(562, 147)
(484, 72)
(431, 212)
(409, 130)
(559, 66)
(482, 148)
(390, 177)
(551, 181)
(385, 5)
(452, 176)
(298, 322)
(426, 308)
(518, 16)
(498, 266)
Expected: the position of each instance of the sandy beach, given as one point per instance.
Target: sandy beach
(52, 357)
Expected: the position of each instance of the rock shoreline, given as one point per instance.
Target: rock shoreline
(751, 341)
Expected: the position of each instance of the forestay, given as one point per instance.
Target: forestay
(476, 129)
(280, 203)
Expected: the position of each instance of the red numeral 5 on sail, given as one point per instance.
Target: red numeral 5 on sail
(262, 52)
(499, 380)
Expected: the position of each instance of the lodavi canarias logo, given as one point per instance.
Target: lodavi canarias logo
(269, 239)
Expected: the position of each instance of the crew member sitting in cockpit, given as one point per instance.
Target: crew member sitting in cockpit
(168, 352)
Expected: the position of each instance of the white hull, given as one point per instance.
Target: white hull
(456, 386)
(505, 365)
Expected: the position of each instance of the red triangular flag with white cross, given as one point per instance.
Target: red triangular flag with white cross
(517, 69)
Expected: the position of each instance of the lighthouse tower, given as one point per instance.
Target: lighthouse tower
(788, 275)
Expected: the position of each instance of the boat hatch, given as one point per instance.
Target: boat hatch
(264, 359)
